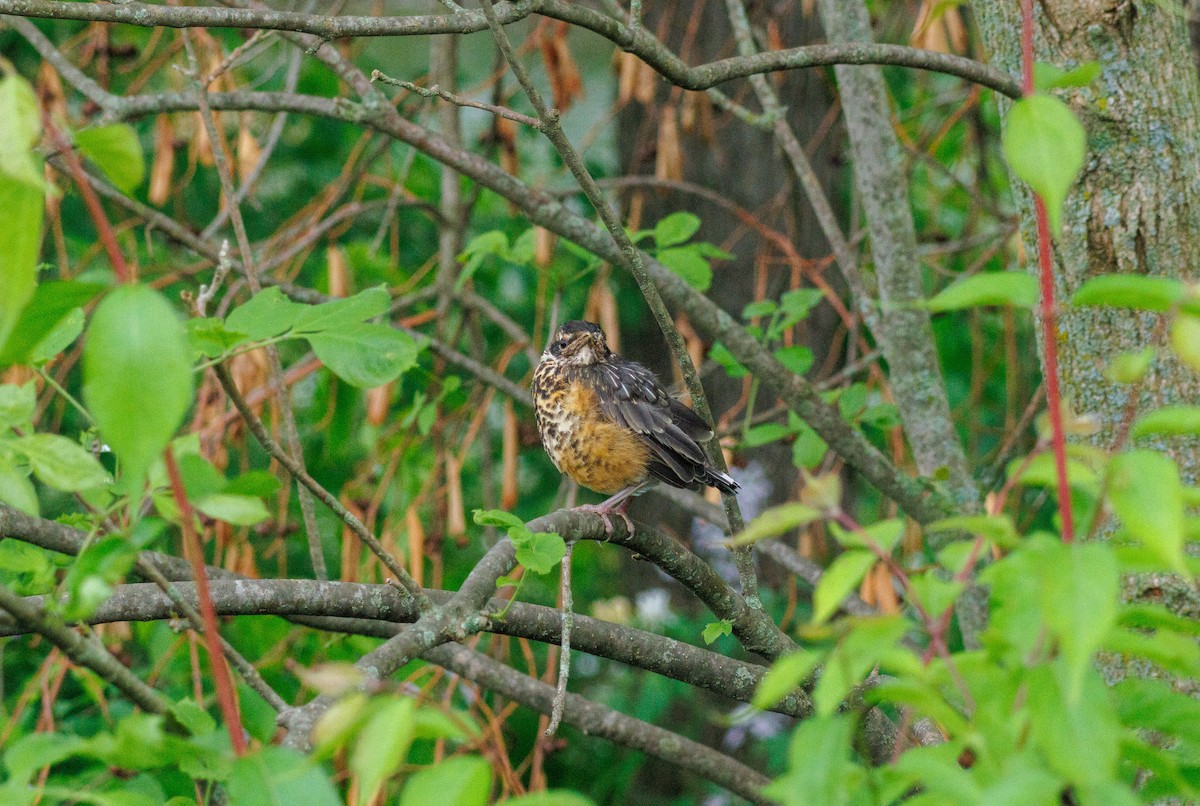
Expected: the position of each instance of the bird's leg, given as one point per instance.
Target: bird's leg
(617, 503)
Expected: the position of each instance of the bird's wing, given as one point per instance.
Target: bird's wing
(631, 396)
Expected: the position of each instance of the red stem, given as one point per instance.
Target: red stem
(212, 639)
(1058, 440)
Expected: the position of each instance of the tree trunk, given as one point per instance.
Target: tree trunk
(1134, 210)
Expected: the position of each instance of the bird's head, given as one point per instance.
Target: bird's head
(578, 344)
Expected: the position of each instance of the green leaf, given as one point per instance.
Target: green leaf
(1130, 368)
(539, 552)
(1045, 144)
(999, 529)
(92, 576)
(42, 320)
(62, 464)
(861, 649)
(1052, 77)
(839, 580)
(775, 521)
(883, 534)
(1145, 492)
(715, 629)
(340, 721)
(20, 130)
(115, 150)
(819, 759)
(1078, 596)
(137, 374)
(935, 594)
(1171, 421)
(267, 314)
(497, 517)
(1185, 339)
(341, 313)
(16, 490)
(272, 776)
(720, 354)
(1078, 734)
(434, 723)
(30, 753)
(764, 307)
(260, 483)
(211, 338)
(1015, 288)
(765, 434)
(192, 716)
(797, 358)
(461, 780)
(366, 355)
(551, 797)
(687, 262)
(808, 450)
(784, 676)
(382, 744)
(58, 339)
(240, 510)
(20, 241)
(675, 229)
(1138, 291)
(17, 404)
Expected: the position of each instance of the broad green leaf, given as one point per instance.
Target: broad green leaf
(999, 529)
(382, 745)
(115, 150)
(52, 303)
(339, 722)
(60, 338)
(784, 676)
(17, 491)
(688, 264)
(497, 517)
(1040, 472)
(1130, 368)
(776, 521)
(461, 780)
(192, 716)
(1078, 595)
(551, 797)
(434, 723)
(675, 229)
(860, 650)
(1078, 734)
(20, 130)
(716, 629)
(524, 248)
(839, 580)
(1138, 291)
(95, 571)
(765, 434)
(17, 404)
(365, 355)
(1016, 288)
(884, 535)
(819, 759)
(272, 776)
(1185, 339)
(764, 307)
(211, 338)
(720, 354)
(24, 757)
(268, 313)
(137, 374)
(797, 358)
(1155, 705)
(259, 483)
(341, 313)
(935, 594)
(539, 552)
(62, 464)
(20, 240)
(1045, 144)
(808, 449)
(1145, 491)
(240, 510)
(1051, 77)
(1168, 421)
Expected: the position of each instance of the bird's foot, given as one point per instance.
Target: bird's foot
(604, 511)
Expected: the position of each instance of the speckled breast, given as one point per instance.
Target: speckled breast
(580, 442)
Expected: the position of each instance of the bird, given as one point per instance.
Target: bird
(609, 425)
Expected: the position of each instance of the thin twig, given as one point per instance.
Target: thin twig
(437, 92)
(564, 656)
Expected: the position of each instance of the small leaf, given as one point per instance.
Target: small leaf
(189, 714)
(1145, 492)
(998, 529)
(764, 307)
(339, 722)
(675, 229)
(1045, 144)
(720, 353)
(1138, 291)
(1185, 339)
(784, 676)
(884, 535)
(1080, 585)
(51, 304)
(820, 757)
(117, 152)
(497, 517)
(211, 338)
(341, 313)
(1169, 421)
(461, 780)
(539, 551)
(20, 130)
(240, 510)
(550, 797)
(58, 339)
(25, 756)
(688, 264)
(366, 355)
(716, 629)
(1052, 77)
(1015, 288)
(267, 314)
(808, 450)
(20, 241)
(382, 745)
(775, 521)
(765, 434)
(17, 404)
(841, 577)
(275, 775)
(62, 464)
(137, 374)
(1130, 368)
(797, 358)
(17, 491)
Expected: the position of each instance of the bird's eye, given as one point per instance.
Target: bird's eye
(562, 344)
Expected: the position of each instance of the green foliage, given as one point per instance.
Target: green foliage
(116, 151)
(1013, 288)
(1045, 144)
(22, 189)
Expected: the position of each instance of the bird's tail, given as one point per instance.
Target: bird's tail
(722, 481)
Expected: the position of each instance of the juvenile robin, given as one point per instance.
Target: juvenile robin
(608, 424)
